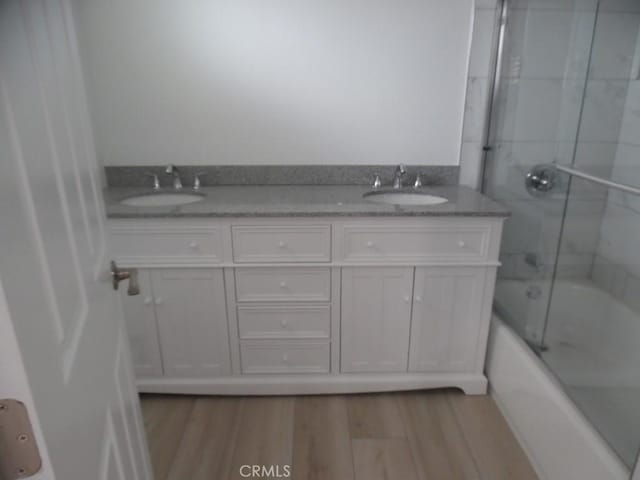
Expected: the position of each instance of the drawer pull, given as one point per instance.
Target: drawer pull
(283, 284)
(284, 323)
(193, 245)
(370, 244)
(418, 299)
(148, 300)
(407, 298)
(281, 244)
(461, 244)
(159, 301)
(285, 358)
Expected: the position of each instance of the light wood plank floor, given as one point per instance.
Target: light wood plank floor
(436, 435)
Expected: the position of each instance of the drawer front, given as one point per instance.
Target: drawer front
(166, 245)
(264, 244)
(284, 321)
(283, 284)
(294, 357)
(415, 243)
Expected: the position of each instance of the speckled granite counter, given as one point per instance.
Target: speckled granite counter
(303, 201)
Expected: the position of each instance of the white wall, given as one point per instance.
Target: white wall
(278, 82)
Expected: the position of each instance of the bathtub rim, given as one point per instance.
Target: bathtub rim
(501, 332)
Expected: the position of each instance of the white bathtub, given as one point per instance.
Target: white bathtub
(592, 345)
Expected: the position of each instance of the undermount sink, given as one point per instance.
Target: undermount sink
(404, 198)
(162, 199)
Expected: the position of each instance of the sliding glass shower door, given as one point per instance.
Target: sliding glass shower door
(569, 94)
(540, 88)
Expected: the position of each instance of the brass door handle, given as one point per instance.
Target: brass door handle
(118, 275)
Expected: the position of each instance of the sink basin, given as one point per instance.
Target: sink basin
(404, 198)
(162, 199)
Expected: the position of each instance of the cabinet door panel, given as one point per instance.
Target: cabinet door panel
(142, 329)
(192, 320)
(446, 318)
(376, 313)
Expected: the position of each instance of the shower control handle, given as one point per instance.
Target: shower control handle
(540, 180)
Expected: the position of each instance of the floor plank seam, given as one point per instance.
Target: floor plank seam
(472, 455)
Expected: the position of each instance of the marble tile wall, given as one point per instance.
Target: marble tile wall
(617, 262)
(485, 26)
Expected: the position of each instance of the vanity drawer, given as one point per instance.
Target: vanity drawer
(284, 321)
(409, 244)
(266, 244)
(151, 244)
(287, 284)
(290, 357)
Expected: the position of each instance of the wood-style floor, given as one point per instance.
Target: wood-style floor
(437, 435)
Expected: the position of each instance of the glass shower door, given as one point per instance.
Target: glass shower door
(538, 99)
(568, 93)
(592, 331)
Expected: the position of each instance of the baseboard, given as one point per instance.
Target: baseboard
(472, 384)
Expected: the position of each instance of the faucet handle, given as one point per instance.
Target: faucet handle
(377, 183)
(418, 182)
(197, 184)
(156, 180)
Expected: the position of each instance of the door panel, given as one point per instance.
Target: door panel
(142, 329)
(192, 321)
(376, 314)
(446, 318)
(53, 255)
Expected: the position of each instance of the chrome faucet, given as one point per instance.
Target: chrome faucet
(197, 180)
(173, 170)
(156, 181)
(397, 176)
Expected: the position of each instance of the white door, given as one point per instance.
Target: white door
(192, 320)
(447, 318)
(62, 337)
(376, 315)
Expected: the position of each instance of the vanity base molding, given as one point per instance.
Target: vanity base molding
(471, 384)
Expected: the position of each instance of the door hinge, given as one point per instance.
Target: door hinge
(19, 454)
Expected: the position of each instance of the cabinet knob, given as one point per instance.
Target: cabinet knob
(407, 298)
(285, 358)
(148, 300)
(281, 244)
(462, 244)
(283, 284)
(159, 301)
(418, 298)
(370, 244)
(284, 323)
(193, 245)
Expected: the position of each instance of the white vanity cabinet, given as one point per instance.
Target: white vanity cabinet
(192, 321)
(376, 318)
(445, 328)
(309, 305)
(177, 326)
(142, 328)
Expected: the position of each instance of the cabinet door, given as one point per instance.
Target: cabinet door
(376, 314)
(446, 321)
(192, 321)
(142, 329)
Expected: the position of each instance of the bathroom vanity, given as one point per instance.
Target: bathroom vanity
(322, 292)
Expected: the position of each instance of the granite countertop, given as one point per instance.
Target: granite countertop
(302, 201)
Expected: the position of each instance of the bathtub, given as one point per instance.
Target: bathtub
(560, 403)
